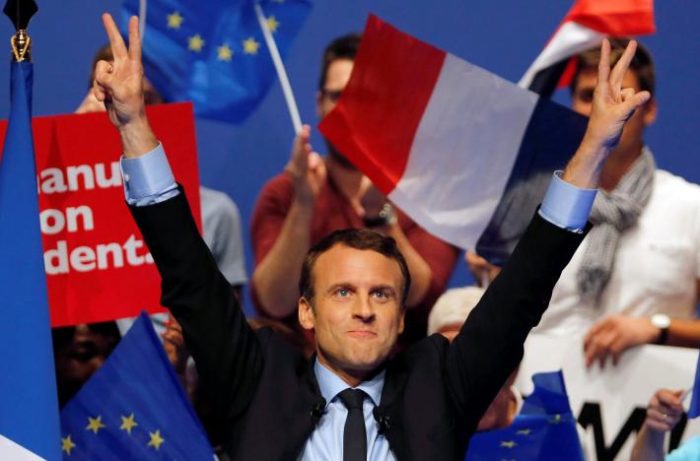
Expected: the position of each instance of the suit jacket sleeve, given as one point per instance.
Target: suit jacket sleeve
(225, 349)
(490, 344)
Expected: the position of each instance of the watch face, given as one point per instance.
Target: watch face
(660, 320)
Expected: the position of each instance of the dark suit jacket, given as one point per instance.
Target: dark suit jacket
(266, 393)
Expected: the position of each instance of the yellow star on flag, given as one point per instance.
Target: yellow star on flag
(128, 423)
(156, 439)
(175, 20)
(523, 432)
(250, 46)
(95, 424)
(195, 43)
(67, 444)
(556, 419)
(225, 53)
(508, 444)
(272, 24)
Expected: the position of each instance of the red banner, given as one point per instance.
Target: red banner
(98, 267)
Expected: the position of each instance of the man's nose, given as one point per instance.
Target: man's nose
(363, 310)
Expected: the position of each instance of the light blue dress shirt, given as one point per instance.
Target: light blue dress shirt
(148, 180)
(326, 442)
(687, 451)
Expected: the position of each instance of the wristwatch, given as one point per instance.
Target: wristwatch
(662, 322)
(386, 217)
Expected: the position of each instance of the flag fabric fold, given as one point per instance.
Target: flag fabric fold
(213, 53)
(545, 429)
(133, 407)
(583, 28)
(28, 402)
(446, 141)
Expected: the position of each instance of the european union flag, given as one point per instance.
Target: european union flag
(133, 408)
(213, 53)
(545, 429)
(28, 403)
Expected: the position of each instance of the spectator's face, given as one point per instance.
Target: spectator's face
(78, 353)
(337, 78)
(582, 101)
(356, 310)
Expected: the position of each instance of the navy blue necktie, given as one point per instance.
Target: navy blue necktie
(354, 434)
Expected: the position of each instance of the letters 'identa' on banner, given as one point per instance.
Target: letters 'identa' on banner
(97, 264)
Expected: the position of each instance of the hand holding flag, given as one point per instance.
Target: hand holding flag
(306, 168)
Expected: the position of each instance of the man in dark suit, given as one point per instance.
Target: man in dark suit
(354, 400)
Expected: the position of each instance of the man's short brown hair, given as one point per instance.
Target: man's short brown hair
(359, 239)
(642, 65)
(344, 47)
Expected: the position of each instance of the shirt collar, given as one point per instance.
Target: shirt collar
(331, 385)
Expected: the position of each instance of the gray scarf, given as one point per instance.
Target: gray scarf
(612, 214)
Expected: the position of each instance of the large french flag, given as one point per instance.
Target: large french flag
(583, 28)
(465, 153)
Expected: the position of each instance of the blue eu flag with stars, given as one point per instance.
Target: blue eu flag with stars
(213, 53)
(545, 429)
(133, 407)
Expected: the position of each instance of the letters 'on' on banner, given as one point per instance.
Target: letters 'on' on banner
(98, 267)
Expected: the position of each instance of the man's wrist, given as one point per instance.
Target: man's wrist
(137, 137)
(386, 218)
(661, 323)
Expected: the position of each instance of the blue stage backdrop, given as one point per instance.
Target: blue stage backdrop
(502, 36)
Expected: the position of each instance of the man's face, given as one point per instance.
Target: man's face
(582, 101)
(356, 310)
(337, 78)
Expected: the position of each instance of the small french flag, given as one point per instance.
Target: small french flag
(583, 28)
(465, 153)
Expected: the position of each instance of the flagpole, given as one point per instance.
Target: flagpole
(29, 424)
(279, 67)
(142, 19)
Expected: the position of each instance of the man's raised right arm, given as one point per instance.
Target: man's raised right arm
(226, 351)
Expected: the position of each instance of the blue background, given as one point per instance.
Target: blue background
(499, 35)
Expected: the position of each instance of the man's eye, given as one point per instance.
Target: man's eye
(585, 95)
(381, 294)
(342, 292)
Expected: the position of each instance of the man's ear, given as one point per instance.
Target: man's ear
(401, 322)
(305, 310)
(650, 111)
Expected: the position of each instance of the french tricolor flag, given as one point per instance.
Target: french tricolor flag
(465, 153)
(583, 28)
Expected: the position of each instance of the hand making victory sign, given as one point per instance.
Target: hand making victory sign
(612, 107)
(119, 84)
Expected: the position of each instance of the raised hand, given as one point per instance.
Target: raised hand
(119, 84)
(306, 168)
(612, 104)
(612, 107)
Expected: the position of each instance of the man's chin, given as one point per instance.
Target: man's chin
(339, 158)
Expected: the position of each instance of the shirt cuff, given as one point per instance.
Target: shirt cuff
(566, 205)
(148, 179)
